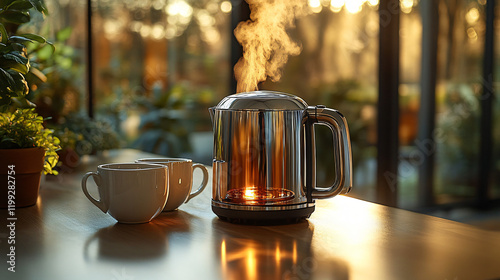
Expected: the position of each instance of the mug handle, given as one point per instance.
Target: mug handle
(97, 179)
(203, 183)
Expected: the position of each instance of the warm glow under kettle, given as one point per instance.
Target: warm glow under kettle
(264, 157)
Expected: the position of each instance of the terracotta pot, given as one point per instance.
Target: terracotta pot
(69, 159)
(28, 166)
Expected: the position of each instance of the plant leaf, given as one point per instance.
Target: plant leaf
(19, 5)
(21, 86)
(18, 47)
(5, 3)
(39, 6)
(20, 39)
(3, 32)
(15, 61)
(34, 37)
(17, 17)
(7, 77)
(22, 102)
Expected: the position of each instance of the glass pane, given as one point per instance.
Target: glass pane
(337, 67)
(159, 65)
(58, 78)
(64, 89)
(460, 50)
(409, 102)
(495, 175)
(496, 110)
(459, 85)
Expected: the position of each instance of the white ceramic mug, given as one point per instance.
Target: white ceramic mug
(180, 179)
(130, 192)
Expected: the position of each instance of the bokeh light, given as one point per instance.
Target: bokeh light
(226, 7)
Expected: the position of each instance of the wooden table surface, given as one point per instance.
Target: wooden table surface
(66, 237)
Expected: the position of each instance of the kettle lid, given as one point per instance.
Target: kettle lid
(262, 100)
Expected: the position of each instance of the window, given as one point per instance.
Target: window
(159, 64)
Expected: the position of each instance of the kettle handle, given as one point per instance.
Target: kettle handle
(342, 150)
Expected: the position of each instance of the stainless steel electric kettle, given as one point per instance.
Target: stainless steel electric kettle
(264, 157)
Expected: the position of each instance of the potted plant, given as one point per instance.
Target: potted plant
(26, 147)
(68, 156)
(80, 136)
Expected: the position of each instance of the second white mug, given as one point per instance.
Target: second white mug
(180, 179)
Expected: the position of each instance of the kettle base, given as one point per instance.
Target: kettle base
(252, 217)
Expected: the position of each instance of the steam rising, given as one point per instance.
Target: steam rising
(266, 44)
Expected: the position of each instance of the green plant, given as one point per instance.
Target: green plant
(89, 135)
(164, 127)
(59, 94)
(21, 128)
(457, 156)
(69, 139)
(14, 62)
(24, 129)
